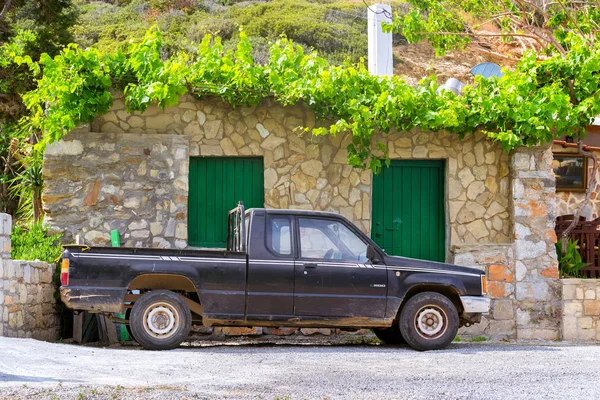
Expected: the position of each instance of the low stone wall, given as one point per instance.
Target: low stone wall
(581, 309)
(26, 294)
(498, 263)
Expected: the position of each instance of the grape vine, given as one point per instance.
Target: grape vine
(528, 106)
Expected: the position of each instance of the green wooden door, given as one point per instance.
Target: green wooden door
(216, 185)
(408, 209)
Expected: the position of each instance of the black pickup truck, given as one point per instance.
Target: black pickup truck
(281, 268)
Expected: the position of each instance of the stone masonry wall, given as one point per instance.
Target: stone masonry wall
(498, 263)
(26, 294)
(136, 183)
(131, 171)
(581, 309)
(567, 202)
(523, 277)
(537, 288)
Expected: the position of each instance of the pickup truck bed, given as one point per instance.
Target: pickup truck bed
(108, 273)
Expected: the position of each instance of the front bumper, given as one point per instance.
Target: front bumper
(475, 304)
(85, 298)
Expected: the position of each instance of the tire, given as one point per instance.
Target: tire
(390, 335)
(160, 320)
(429, 321)
(128, 326)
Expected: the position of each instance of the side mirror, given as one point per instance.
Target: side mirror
(373, 255)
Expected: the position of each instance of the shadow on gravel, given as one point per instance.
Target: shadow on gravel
(504, 347)
(320, 347)
(41, 379)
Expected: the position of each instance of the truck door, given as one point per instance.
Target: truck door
(270, 268)
(332, 275)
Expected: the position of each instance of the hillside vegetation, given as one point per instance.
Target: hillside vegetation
(337, 29)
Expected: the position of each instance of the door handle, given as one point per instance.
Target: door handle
(395, 225)
(310, 265)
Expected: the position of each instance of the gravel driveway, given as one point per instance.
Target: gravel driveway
(39, 370)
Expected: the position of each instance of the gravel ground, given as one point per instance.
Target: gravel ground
(249, 370)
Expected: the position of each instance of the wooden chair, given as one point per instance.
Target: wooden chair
(569, 217)
(587, 235)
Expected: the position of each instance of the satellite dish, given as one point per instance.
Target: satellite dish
(487, 69)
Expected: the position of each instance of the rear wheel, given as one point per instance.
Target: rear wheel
(160, 320)
(390, 335)
(429, 321)
(128, 326)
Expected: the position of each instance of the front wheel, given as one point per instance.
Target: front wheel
(429, 321)
(160, 320)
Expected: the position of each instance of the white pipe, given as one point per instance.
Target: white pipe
(380, 57)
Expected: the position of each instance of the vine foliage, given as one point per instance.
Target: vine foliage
(561, 34)
(527, 106)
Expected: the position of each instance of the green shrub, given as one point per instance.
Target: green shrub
(570, 263)
(33, 243)
(223, 27)
(478, 339)
(337, 29)
(168, 5)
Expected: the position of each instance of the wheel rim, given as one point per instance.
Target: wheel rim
(161, 320)
(430, 322)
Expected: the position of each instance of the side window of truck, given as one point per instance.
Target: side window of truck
(330, 240)
(279, 238)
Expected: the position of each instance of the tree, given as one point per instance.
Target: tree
(32, 28)
(558, 39)
(544, 26)
(28, 28)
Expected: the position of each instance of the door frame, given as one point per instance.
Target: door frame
(189, 202)
(448, 256)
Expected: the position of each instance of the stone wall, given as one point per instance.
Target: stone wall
(523, 277)
(581, 309)
(567, 202)
(135, 183)
(130, 171)
(498, 263)
(537, 288)
(26, 294)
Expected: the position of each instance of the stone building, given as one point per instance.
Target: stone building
(165, 179)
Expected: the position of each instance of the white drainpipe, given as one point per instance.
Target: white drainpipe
(381, 60)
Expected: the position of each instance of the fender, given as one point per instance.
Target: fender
(214, 279)
(168, 276)
(408, 283)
